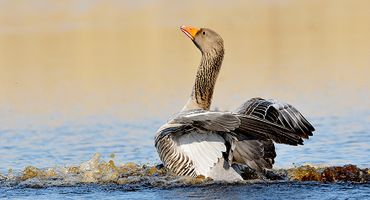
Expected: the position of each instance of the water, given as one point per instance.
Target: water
(337, 141)
(310, 190)
(71, 144)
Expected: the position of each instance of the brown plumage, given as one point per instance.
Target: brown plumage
(217, 144)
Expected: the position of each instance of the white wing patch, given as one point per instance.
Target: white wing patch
(204, 150)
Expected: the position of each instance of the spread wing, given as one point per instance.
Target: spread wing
(192, 143)
(259, 153)
(279, 113)
(189, 151)
(204, 150)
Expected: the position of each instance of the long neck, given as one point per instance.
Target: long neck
(205, 80)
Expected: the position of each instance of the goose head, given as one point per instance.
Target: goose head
(207, 40)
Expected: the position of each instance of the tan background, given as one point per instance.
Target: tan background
(69, 60)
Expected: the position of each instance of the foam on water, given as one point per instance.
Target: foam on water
(132, 175)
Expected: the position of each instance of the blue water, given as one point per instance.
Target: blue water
(338, 140)
(308, 190)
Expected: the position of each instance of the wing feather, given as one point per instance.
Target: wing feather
(203, 149)
(193, 142)
(279, 113)
(257, 154)
(210, 121)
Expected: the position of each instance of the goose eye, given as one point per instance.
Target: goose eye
(204, 33)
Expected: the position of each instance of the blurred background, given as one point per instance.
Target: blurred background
(93, 62)
(74, 59)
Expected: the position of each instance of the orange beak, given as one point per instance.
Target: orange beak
(189, 31)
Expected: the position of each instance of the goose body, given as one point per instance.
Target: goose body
(219, 145)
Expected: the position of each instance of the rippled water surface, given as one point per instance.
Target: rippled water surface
(338, 141)
(309, 190)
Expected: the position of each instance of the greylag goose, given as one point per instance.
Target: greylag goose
(215, 144)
